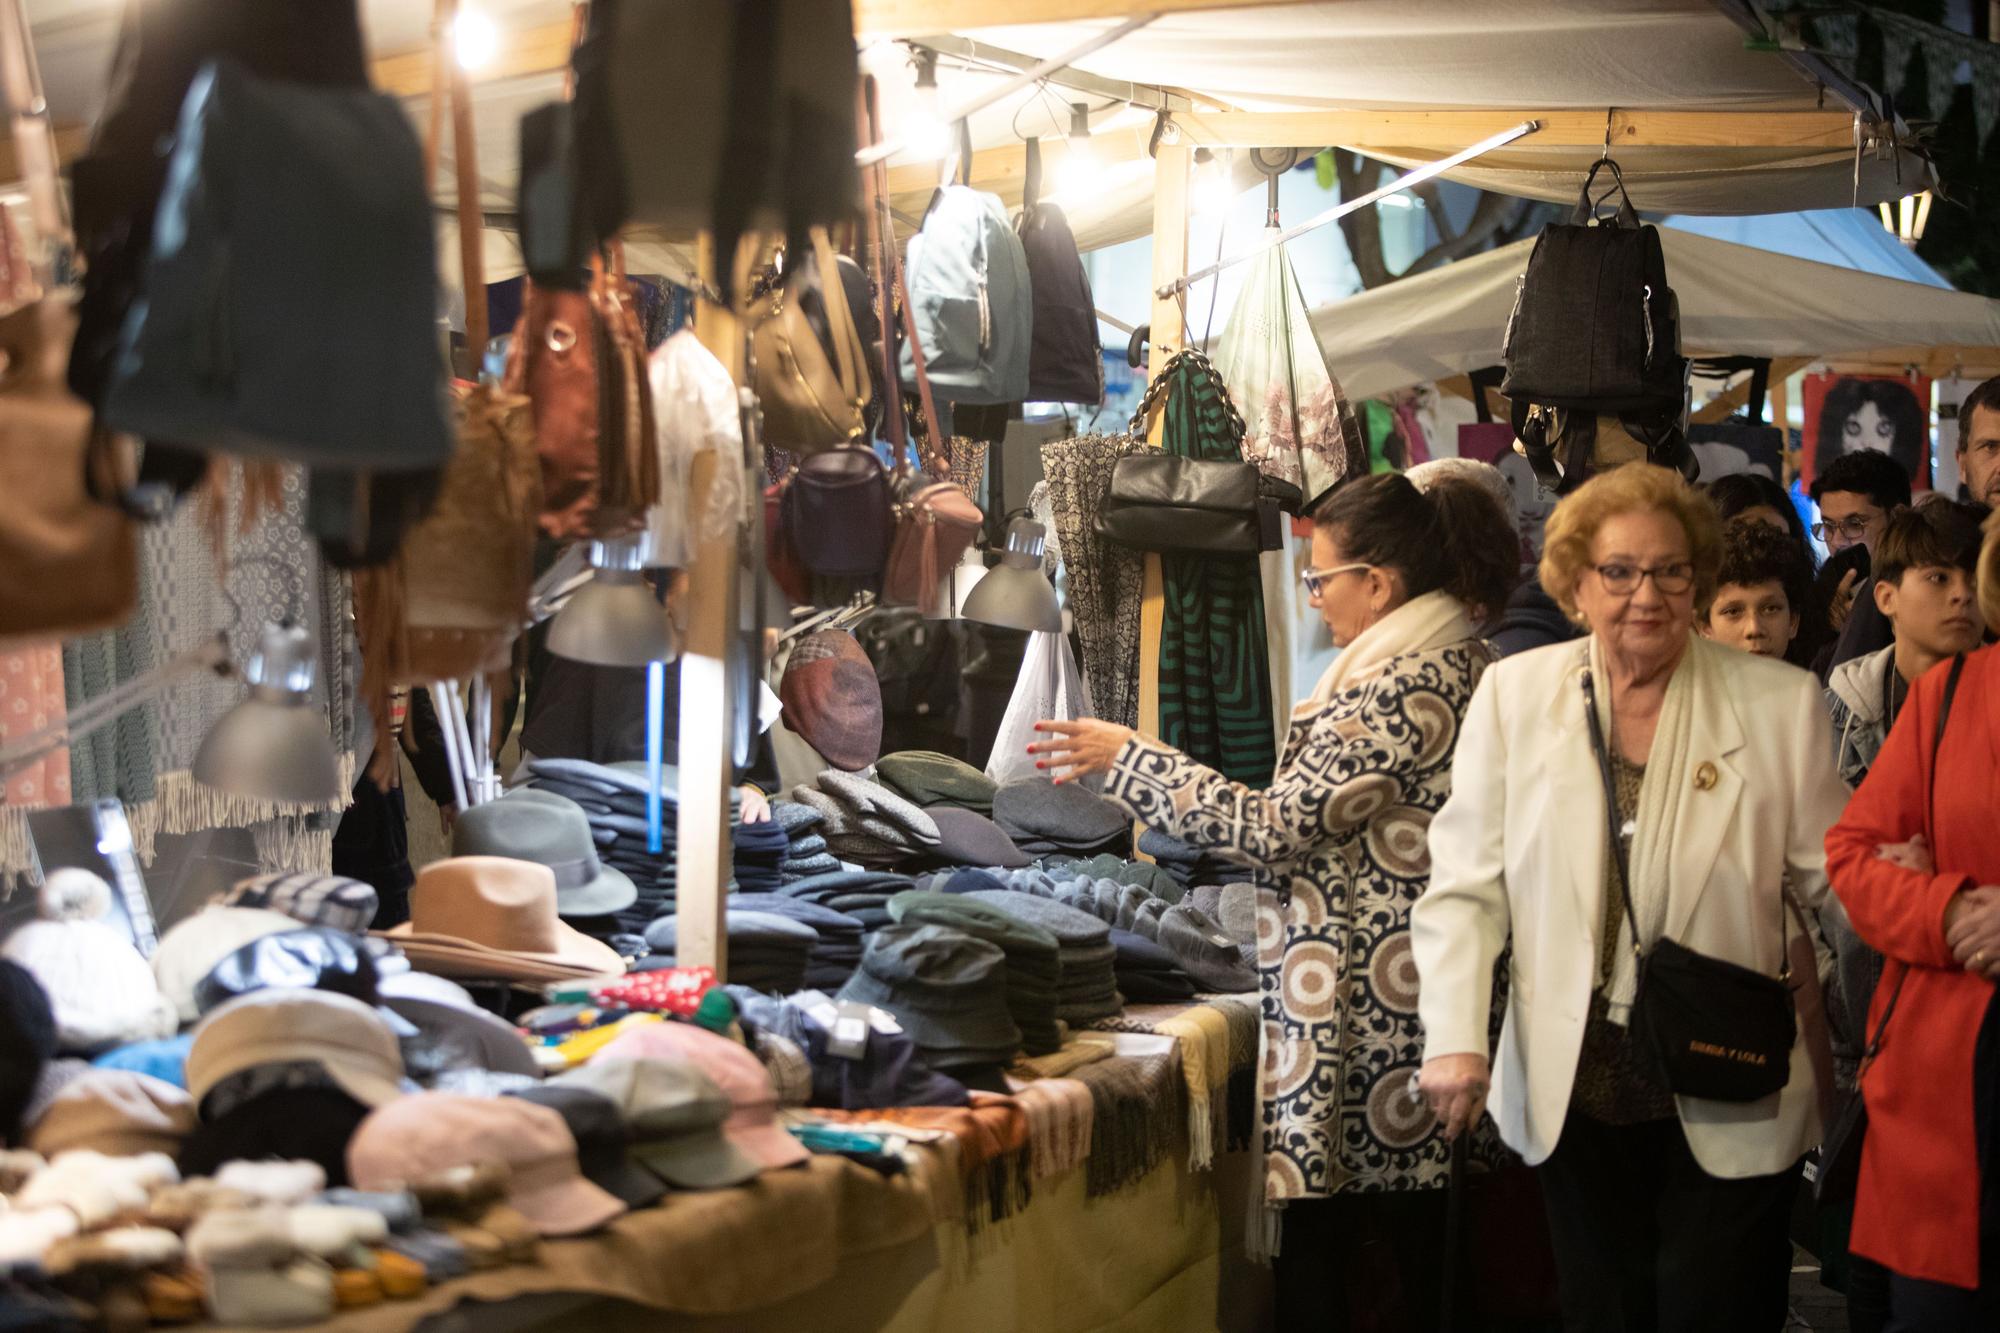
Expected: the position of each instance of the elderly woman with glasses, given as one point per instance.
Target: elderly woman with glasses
(1401, 578)
(1668, 1195)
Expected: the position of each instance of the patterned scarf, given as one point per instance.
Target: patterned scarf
(1106, 581)
(31, 698)
(1215, 667)
(1137, 1112)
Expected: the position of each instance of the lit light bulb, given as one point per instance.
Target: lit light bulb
(1082, 174)
(1214, 188)
(474, 38)
(927, 137)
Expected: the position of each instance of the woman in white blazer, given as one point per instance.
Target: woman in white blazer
(1666, 1212)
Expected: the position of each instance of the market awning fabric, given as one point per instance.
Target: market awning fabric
(1734, 300)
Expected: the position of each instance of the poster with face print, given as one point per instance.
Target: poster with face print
(1888, 413)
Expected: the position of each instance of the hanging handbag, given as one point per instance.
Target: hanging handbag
(936, 519)
(1712, 1028)
(68, 565)
(1158, 501)
(811, 385)
(468, 567)
(579, 358)
(838, 515)
(288, 203)
(1839, 1175)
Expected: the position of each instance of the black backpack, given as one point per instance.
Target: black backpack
(1065, 360)
(1595, 331)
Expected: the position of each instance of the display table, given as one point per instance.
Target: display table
(834, 1246)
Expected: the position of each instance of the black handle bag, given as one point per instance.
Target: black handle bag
(1712, 1028)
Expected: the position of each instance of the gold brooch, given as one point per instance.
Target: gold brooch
(1704, 776)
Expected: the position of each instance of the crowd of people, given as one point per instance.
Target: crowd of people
(1670, 872)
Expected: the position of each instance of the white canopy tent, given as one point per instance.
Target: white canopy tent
(1735, 300)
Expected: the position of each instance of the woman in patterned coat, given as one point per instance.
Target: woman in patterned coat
(1401, 578)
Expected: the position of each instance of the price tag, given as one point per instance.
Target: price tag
(850, 1031)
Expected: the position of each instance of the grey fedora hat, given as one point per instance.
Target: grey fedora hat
(552, 831)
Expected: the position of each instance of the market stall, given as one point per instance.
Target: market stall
(895, 1041)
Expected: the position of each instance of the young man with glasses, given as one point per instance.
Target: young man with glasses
(1856, 495)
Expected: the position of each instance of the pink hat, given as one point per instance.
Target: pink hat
(753, 1123)
(427, 1132)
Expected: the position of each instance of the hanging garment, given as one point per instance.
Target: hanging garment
(31, 698)
(694, 411)
(1300, 425)
(1215, 669)
(1107, 582)
(272, 570)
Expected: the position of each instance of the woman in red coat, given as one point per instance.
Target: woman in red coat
(1918, 1211)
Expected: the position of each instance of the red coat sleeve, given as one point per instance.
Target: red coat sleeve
(1899, 912)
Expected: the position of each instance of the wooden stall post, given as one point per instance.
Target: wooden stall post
(707, 767)
(1170, 250)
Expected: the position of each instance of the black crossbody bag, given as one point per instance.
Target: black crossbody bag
(1839, 1176)
(1711, 1028)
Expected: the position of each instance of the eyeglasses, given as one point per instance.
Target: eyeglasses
(1315, 579)
(1857, 528)
(1672, 580)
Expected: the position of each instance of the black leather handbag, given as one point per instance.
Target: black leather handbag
(1711, 1028)
(1165, 502)
(1839, 1175)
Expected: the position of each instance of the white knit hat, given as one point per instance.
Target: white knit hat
(193, 946)
(98, 983)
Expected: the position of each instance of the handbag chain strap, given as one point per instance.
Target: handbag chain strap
(1162, 384)
(1930, 815)
(1619, 855)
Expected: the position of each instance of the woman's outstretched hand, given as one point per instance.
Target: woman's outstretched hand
(1079, 749)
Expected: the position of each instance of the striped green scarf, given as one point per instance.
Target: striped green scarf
(1215, 665)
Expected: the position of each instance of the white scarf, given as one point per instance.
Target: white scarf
(1434, 620)
(1653, 839)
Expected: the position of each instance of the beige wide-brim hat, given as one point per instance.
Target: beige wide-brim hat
(493, 917)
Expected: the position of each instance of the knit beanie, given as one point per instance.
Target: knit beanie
(99, 986)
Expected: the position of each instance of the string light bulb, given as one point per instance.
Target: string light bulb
(926, 136)
(475, 38)
(1081, 172)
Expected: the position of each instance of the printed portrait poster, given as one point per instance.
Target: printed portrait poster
(1890, 413)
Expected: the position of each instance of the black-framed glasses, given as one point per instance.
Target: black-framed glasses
(1620, 579)
(1855, 528)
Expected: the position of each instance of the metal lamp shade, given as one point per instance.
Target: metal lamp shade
(1015, 594)
(274, 745)
(614, 620)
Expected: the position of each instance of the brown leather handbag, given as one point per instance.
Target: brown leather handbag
(811, 401)
(68, 565)
(936, 520)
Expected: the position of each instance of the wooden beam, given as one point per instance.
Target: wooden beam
(922, 18)
(1005, 167)
(707, 764)
(71, 140)
(1418, 132)
(1725, 404)
(1170, 255)
(542, 49)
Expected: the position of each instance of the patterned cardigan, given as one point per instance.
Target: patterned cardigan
(1342, 831)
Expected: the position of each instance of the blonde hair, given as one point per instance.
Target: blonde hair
(1989, 573)
(1632, 489)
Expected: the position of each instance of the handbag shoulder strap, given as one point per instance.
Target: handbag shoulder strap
(1586, 207)
(471, 219)
(1930, 816)
(1618, 855)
